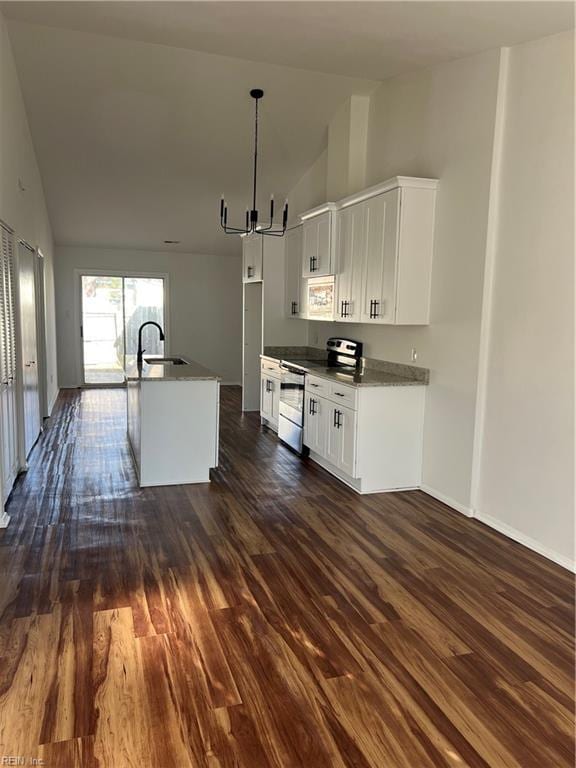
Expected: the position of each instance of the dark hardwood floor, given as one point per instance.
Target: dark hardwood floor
(270, 618)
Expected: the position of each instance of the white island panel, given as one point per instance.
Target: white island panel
(179, 431)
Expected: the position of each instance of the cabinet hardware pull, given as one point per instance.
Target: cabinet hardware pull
(338, 422)
(313, 260)
(314, 385)
(312, 407)
(374, 309)
(344, 309)
(339, 394)
(250, 271)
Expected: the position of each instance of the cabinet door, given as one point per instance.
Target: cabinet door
(266, 397)
(341, 442)
(351, 253)
(252, 246)
(292, 272)
(317, 246)
(379, 283)
(316, 411)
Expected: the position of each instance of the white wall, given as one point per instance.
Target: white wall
(24, 209)
(439, 123)
(347, 148)
(205, 304)
(526, 482)
(310, 190)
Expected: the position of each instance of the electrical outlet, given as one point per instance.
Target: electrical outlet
(414, 355)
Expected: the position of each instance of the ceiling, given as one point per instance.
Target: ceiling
(140, 111)
(373, 40)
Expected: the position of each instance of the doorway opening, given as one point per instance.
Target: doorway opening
(113, 309)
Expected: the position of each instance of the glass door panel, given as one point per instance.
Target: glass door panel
(103, 329)
(143, 301)
(113, 309)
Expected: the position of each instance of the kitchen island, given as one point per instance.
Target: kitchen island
(173, 421)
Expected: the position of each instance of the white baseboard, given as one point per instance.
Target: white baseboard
(462, 508)
(4, 519)
(521, 538)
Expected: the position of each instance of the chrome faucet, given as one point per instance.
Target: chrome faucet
(140, 350)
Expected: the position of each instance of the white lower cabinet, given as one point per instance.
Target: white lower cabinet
(270, 394)
(374, 442)
(341, 440)
(315, 422)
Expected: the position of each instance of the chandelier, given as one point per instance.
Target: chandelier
(252, 224)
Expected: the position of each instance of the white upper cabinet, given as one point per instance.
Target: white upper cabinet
(318, 241)
(295, 287)
(378, 288)
(350, 257)
(252, 252)
(385, 246)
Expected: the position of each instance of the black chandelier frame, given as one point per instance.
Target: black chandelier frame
(252, 226)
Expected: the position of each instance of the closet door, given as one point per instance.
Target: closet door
(29, 357)
(8, 401)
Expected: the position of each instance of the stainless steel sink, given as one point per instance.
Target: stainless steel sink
(166, 361)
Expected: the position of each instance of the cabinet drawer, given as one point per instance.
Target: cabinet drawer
(340, 393)
(271, 368)
(317, 385)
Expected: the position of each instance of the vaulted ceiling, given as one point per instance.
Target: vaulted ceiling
(140, 111)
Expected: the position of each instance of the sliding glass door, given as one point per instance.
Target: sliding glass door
(113, 309)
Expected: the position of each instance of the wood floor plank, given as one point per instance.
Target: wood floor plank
(270, 619)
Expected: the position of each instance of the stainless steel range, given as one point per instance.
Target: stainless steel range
(345, 354)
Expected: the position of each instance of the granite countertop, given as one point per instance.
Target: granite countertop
(168, 371)
(374, 373)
